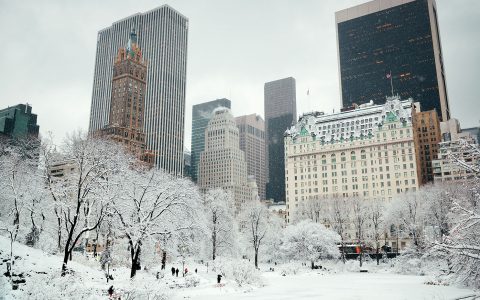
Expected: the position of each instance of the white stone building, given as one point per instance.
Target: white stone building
(222, 163)
(367, 152)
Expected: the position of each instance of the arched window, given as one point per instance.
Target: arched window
(352, 154)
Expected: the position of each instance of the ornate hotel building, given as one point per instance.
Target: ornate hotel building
(222, 163)
(162, 36)
(128, 99)
(367, 152)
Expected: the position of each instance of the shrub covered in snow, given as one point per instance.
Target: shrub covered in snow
(57, 287)
(240, 271)
(192, 280)
(291, 268)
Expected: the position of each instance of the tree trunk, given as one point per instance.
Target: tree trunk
(378, 258)
(164, 259)
(313, 265)
(256, 258)
(214, 245)
(361, 256)
(65, 261)
(135, 253)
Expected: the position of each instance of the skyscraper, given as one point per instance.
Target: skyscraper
(128, 98)
(18, 122)
(391, 41)
(280, 112)
(201, 115)
(222, 164)
(252, 143)
(162, 36)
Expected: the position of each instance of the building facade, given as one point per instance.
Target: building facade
(18, 121)
(280, 107)
(456, 146)
(162, 36)
(368, 153)
(127, 105)
(201, 115)
(222, 164)
(391, 39)
(426, 127)
(252, 143)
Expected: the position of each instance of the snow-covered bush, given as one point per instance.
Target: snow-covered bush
(54, 286)
(239, 270)
(245, 274)
(192, 280)
(308, 241)
(291, 268)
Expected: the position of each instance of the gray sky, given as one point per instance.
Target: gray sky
(48, 54)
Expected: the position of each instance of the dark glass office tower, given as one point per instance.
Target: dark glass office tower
(18, 122)
(201, 114)
(280, 111)
(397, 36)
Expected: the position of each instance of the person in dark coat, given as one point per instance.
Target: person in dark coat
(176, 272)
(173, 271)
(219, 278)
(195, 270)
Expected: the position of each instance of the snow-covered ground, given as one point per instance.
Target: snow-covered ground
(348, 285)
(88, 282)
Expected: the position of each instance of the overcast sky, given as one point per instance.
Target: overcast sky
(48, 54)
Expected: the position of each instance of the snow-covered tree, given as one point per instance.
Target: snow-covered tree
(256, 224)
(339, 218)
(375, 219)
(21, 191)
(153, 204)
(314, 209)
(406, 212)
(309, 241)
(462, 245)
(437, 199)
(219, 213)
(82, 194)
(359, 220)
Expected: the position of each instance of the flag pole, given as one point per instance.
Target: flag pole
(391, 81)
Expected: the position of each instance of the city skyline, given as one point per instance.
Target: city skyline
(67, 48)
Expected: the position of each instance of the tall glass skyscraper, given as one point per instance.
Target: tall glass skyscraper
(162, 36)
(392, 38)
(201, 115)
(280, 106)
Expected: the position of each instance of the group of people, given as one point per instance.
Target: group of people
(175, 271)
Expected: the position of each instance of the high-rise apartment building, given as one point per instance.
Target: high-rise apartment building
(162, 36)
(127, 105)
(222, 163)
(252, 143)
(18, 121)
(392, 39)
(280, 113)
(426, 128)
(368, 152)
(201, 115)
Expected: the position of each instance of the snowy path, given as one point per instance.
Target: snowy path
(334, 286)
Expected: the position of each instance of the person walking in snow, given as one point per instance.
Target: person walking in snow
(176, 272)
(186, 271)
(173, 271)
